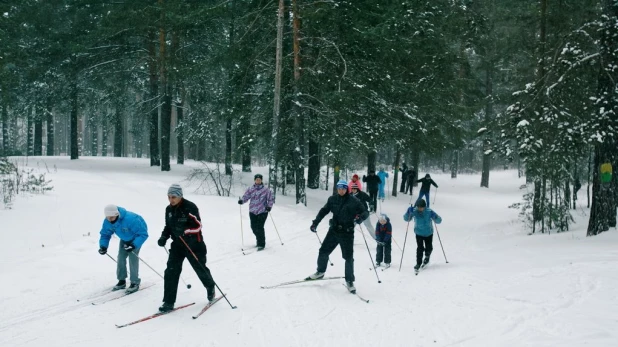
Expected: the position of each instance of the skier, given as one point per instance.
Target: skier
(426, 183)
(132, 231)
(262, 201)
(346, 211)
(423, 229)
(410, 181)
(383, 176)
(384, 233)
(184, 225)
(364, 199)
(373, 183)
(404, 177)
(356, 180)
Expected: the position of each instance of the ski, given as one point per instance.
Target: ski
(301, 281)
(207, 306)
(421, 268)
(386, 267)
(119, 295)
(158, 314)
(355, 293)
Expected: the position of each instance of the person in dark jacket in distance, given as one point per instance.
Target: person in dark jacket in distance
(373, 184)
(411, 178)
(426, 183)
(347, 210)
(364, 199)
(384, 234)
(184, 225)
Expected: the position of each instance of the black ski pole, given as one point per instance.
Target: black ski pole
(316, 235)
(435, 196)
(437, 233)
(183, 280)
(142, 260)
(368, 251)
(404, 243)
(273, 220)
(205, 269)
(112, 258)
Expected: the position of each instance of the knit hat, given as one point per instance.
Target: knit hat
(342, 184)
(383, 217)
(258, 176)
(421, 203)
(354, 186)
(111, 211)
(355, 176)
(175, 190)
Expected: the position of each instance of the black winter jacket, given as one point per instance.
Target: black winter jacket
(183, 220)
(425, 184)
(373, 181)
(344, 209)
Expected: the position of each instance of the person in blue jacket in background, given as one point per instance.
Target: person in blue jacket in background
(384, 234)
(132, 231)
(423, 228)
(383, 176)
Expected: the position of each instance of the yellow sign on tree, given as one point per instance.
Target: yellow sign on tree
(606, 172)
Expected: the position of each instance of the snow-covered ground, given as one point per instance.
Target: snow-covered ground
(501, 287)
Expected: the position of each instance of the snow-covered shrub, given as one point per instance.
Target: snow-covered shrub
(15, 180)
(211, 179)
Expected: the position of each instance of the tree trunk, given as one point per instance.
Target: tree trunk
(94, 134)
(371, 160)
(104, 136)
(74, 130)
(166, 105)
(416, 159)
(30, 128)
(228, 146)
(38, 131)
(488, 116)
(5, 130)
(180, 129)
(313, 172)
(245, 147)
(272, 162)
(454, 163)
(299, 151)
(396, 170)
(50, 127)
(118, 129)
(153, 97)
(336, 174)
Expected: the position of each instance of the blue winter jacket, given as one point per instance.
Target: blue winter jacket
(384, 232)
(422, 220)
(129, 227)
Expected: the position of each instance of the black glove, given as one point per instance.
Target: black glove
(129, 247)
(313, 227)
(103, 250)
(358, 220)
(161, 242)
(268, 209)
(240, 202)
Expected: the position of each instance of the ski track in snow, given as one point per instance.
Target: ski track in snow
(500, 287)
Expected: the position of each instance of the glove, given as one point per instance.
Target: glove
(268, 209)
(129, 247)
(240, 202)
(161, 242)
(313, 227)
(103, 250)
(358, 220)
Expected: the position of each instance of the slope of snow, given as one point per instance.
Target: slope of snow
(500, 287)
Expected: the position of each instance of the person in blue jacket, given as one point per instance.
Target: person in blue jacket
(384, 234)
(132, 231)
(423, 228)
(383, 176)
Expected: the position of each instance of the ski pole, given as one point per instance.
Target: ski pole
(112, 258)
(272, 220)
(142, 260)
(316, 235)
(435, 197)
(183, 280)
(205, 269)
(404, 243)
(396, 243)
(370, 257)
(437, 233)
(242, 237)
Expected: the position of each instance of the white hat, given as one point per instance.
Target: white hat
(111, 211)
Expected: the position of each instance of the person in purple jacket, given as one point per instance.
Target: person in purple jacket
(262, 201)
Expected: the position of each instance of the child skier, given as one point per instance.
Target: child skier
(384, 233)
(423, 229)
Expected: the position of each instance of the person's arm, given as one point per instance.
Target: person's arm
(106, 235)
(437, 219)
(361, 211)
(389, 232)
(141, 231)
(434, 183)
(194, 222)
(270, 199)
(247, 194)
(322, 213)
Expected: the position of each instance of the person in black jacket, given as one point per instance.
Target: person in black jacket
(426, 183)
(373, 183)
(346, 211)
(183, 224)
(404, 177)
(410, 181)
(366, 201)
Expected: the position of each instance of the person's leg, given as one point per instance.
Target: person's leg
(428, 246)
(121, 267)
(260, 232)
(328, 245)
(387, 252)
(134, 267)
(254, 226)
(379, 253)
(199, 265)
(420, 249)
(346, 242)
(172, 272)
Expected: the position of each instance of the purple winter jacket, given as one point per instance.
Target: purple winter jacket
(260, 196)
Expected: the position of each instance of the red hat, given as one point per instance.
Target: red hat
(355, 176)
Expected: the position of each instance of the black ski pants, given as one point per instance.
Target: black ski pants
(178, 253)
(345, 240)
(383, 252)
(402, 187)
(424, 244)
(257, 225)
(373, 199)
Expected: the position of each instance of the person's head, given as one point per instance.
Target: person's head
(420, 205)
(174, 194)
(354, 188)
(354, 178)
(111, 213)
(381, 168)
(383, 219)
(427, 176)
(342, 187)
(258, 178)
(372, 172)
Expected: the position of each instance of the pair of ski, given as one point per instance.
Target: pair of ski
(159, 314)
(416, 271)
(315, 280)
(386, 267)
(109, 295)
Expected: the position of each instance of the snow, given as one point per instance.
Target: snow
(500, 287)
(523, 123)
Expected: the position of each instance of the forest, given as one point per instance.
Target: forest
(461, 86)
